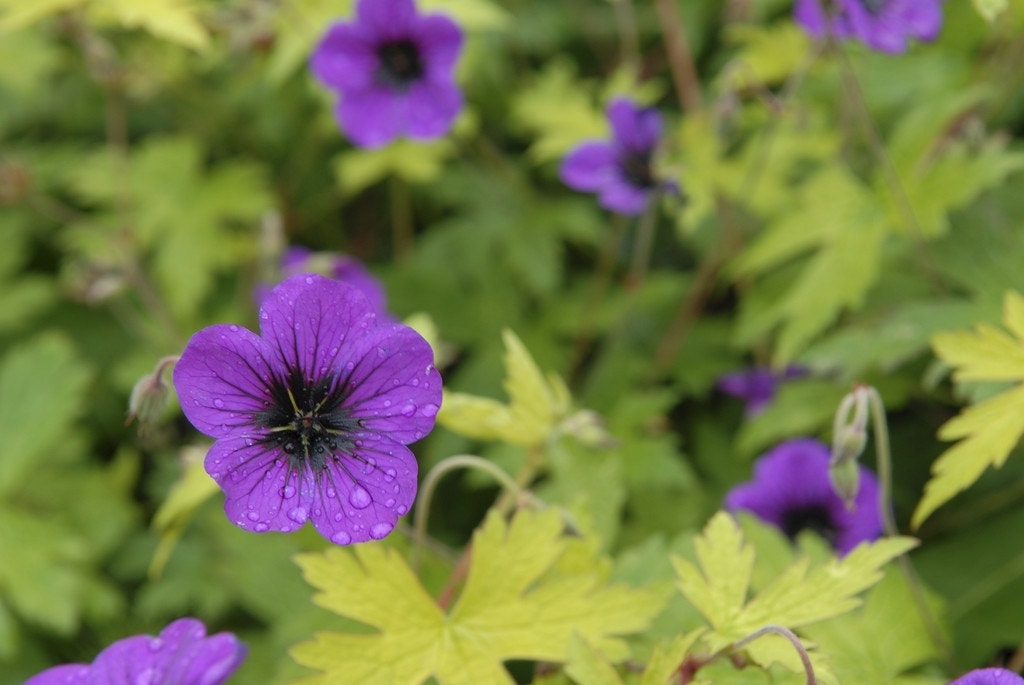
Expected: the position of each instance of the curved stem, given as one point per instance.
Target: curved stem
(883, 457)
(788, 634)
(461, 461)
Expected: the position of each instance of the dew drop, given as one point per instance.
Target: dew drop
(429, 410)
(381, 352)
(154, 644)
(396, 489)
(298, 514)
(331, 492)
(233, 328)
(261, 528)
(359, 497)
(341, 538)
(287, 492)
(253, 516)
(387, 403)
(409, 409)
(414, 382)
(219, 403)
(150, 676)
(401, 509)
(390, 475)
(389, 502)
(380, 530)
(309, 280)
(338, 516)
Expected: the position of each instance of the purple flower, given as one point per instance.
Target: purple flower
(756, 385)
(883, 25)
(342, 267)
(791, 490)
(394, 69)
(312, 417)
(619, 171)
(989, 676)
(181, 655)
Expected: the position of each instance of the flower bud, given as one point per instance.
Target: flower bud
(148, 400)
(845, 479)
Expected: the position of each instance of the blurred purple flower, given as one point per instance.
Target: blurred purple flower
(791, 490)
(883, 25)
(394, 70)
(989, 676)
(312, 417)
(756, 385)
(619, 170)
(181, 655)
(342, 267)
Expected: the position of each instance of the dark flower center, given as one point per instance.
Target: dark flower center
(815, 518)
(307, 420)
(400, 63)
(873, 6)
(636, 168)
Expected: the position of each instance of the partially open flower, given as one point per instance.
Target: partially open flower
(181, 655)
(883, 25)
(394, 69)
(791, 490)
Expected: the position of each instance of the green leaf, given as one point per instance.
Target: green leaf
(42, 392)
(990, 9)
(768, 54)
(513, 606)
(16, 14)
(587, 666)
(719, 582)
(987, 431)
(175, 21)
(840, 225)
(414, 162)
(192, 489)
(536, 404)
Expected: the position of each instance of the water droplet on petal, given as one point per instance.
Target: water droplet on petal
(429, 410)
(309, 280)
(341, 538)
(149, 676)
(380, 530)
(402, 509)
(409, 409)
(253, 516)
(389, 475)
(331, 492)
(287, 492)
(389, 502)
(219, 403)
(154, 644)
(387, 403)
(261, 528)
(338, 516)
(359, 497)
(298, 514)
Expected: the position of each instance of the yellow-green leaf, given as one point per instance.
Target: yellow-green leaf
(987, 431)
(515, 605)
(175, 21)
(191, 490)
(536, 404)
(990, 9)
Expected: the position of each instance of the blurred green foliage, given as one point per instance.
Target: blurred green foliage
(839, 210)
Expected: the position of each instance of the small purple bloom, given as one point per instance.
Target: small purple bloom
(394, 69)
(342, 267)
(312, 417)
(620, 170)
(883, 25)
(756, 385)
(989, 676)
(791, 490)
(181, 655)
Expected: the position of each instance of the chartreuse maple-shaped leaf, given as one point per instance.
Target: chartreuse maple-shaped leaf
(990, 429)
(515, 605)
(536, 404)
(718, 585)
(192, 489)
(587, 666)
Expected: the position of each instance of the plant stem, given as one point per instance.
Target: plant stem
(644, 241)
(788, 634)
(680, 56)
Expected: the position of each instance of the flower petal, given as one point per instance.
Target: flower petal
(588, 167)
(372, 117)
(989, 676)
(395, 388)
(431, 108)
(344, 58)
(440, 42)
(311, 323)
(220, 379)
(361, 495)
(635, 128)
(68, 674)
(809, 14)
(624, 198)
(386, 19)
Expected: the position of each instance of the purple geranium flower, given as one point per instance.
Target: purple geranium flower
(883, 25)
(181, 655)
(342, 267)
(989, 676)
(394, 69)
(791, 490)
(312, 417)
(620, 170)
(756, 385)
